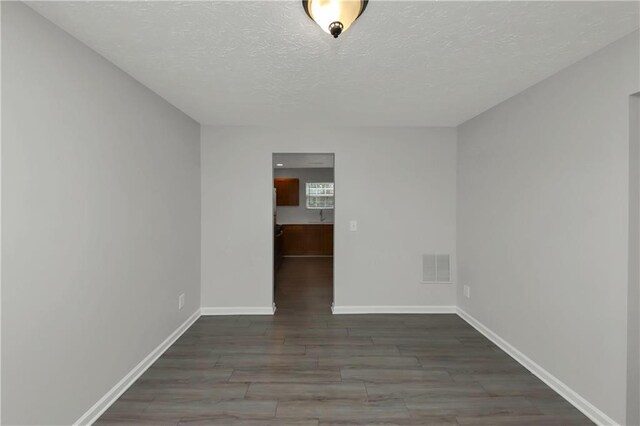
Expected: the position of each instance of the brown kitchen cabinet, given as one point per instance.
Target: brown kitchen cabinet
(307, 240)
(287, 191)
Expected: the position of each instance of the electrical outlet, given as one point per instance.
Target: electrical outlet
(467, 291)
(353, 225)
(181, 301)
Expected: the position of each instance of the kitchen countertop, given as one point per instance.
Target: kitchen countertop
(307, 223)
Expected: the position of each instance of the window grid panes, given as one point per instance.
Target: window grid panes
(320, 195)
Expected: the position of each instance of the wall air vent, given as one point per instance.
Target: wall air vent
(436, 268)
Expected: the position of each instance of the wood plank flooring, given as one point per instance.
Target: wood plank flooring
(305, 366)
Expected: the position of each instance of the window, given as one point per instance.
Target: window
(320, 195)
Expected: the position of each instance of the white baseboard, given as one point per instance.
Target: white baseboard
(241, 310)
(339, 310)
(588, 409)
(110, 397)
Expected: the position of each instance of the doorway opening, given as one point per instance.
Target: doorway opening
(303, 231)
(633, 299)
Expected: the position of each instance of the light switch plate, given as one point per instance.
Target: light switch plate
(181, 301)
(467, 291)
(353, 225)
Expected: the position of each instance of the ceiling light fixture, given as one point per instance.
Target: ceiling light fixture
(279, 165)
(334, 16)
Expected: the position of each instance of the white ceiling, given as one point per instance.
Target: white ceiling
(303, 161)
(416, 63)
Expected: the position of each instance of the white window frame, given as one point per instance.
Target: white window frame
(330, 192)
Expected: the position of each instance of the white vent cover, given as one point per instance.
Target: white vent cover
(436, 268)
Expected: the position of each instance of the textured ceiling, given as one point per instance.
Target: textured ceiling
(401, 64)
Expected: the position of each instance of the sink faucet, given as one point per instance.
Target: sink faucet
(321, 215)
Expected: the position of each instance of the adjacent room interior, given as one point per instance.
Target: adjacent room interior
(453, 238)
(303, 215)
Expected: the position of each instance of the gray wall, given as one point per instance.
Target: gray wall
(543, 190)
(399, 183)
(300, 213)
(101, 220)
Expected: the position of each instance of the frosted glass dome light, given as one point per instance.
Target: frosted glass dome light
(334, 16)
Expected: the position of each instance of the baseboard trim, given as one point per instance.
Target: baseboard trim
(340, 310)
(588, 409)
(242, 310)
(110, 397)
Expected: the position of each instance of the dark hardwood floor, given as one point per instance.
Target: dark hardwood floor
(305, 366)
